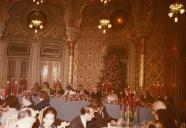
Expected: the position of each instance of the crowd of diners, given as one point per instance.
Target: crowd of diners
(26, 114)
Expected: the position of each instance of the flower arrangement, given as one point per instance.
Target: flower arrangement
(75, 97)
(64, 124)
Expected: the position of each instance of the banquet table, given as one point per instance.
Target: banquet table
(67, 110)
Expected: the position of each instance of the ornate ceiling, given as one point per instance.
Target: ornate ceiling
(61, 13)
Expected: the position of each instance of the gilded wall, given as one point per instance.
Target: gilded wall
(91, 43)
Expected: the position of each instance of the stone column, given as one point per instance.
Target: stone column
(142, 62)
(2, 52)
(72, 38)
(2, 63)
(34, 74)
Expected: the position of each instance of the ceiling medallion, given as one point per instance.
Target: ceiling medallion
(104, 24)
(38, 1)
(176, 9)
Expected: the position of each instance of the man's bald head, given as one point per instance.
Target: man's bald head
(157, 105)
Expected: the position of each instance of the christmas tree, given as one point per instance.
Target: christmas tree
(113, 73)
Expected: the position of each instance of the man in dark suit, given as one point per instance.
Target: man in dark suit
(2, 94)
(87, 113)
(101, 118)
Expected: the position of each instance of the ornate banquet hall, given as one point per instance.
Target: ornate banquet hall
(126, 53)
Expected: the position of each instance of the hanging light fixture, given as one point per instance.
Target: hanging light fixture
(36, 21)
(176, 9)
(105, 1)
(36, 24)
(38, 1)
(104, 24)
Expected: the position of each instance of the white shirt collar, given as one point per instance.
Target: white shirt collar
(83, 120)
(2, 97)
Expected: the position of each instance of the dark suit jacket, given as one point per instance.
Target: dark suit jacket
(100, 119)
(76, 123)
(31, 106)
(41, 105)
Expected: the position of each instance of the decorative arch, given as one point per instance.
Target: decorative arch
(52, 58)
(18, 49)
(127, 45)
(18, 54)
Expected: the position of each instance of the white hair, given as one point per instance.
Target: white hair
(157, 105)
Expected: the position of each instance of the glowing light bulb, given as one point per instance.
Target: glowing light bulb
(30, 26)
(41, 26)
(35, 31)
(99, 26)
(109, 25)
(182, 11)
(104, 31)
(176, 19)
(170, 14)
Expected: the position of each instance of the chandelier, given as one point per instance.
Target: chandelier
(175, 10)
(36, 20)
(104, 24)
(105, 1)
(36, 24)
(38, 1)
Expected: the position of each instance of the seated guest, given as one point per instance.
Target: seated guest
(166, 118)
(169, 101)
(87, 113)
(101, 118)
(10, 115)
(36, 89)
(44, 101)
(48, 118)
(96, 93)
(26, 102)
(2, 94)
(2, 107)
(46, 87)
(142, 100)
(26, 118)
(112, 97)
(157, 105)
(82, 91)
(69, 91)
(162, 114)
(58, 90)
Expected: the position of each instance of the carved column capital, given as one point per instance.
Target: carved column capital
(142, 46)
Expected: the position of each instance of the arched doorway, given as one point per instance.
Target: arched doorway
(51, 63)
(122, 58)
(126, 51)
(18, 56)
